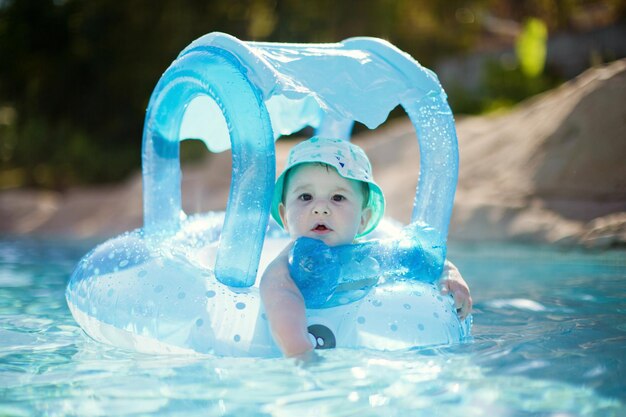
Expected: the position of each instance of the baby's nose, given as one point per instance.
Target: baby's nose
(321, 208)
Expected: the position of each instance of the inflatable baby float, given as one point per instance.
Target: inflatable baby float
(188, 283)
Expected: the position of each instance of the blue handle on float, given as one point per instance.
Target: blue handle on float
(318, 269)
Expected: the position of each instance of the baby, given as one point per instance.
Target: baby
(326, 192)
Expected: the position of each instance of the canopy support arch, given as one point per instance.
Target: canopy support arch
(217, 74)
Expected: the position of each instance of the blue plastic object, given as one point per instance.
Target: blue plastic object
(317, 269)
(187, 284)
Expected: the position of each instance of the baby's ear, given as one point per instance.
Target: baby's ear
(366, 216)
(283, 218)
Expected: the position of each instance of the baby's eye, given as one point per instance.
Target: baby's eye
(305, 197)
(338, 197)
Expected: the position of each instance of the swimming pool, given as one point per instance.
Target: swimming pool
(549, 340)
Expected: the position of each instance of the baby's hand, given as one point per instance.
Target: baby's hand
(451, 282)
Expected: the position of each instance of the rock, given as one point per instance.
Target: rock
(606, 231)
(552, 165)
(25, 211)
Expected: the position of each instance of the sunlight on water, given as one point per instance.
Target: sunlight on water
(549, 338)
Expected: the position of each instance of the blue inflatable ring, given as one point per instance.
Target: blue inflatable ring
(188, 284)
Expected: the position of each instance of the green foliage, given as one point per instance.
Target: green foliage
(531, 47)
(79, 80)
(76, 75)
(502, 86)
(57, 155)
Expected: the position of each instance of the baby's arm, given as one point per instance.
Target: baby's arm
(451, 282)
(284, 307)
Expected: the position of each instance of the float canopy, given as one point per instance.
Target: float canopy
(325, 86)
(243, 95)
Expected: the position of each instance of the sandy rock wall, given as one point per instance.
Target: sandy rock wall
(551, 170)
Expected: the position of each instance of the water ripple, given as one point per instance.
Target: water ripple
(548, 340)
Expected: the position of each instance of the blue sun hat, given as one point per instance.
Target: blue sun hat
(349, 160)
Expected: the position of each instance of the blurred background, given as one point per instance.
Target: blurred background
(76, 75)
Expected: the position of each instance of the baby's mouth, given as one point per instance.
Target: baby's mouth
(321, 229)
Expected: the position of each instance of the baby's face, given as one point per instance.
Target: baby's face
(321, 204)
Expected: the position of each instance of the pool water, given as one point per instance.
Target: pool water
(549, 340)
